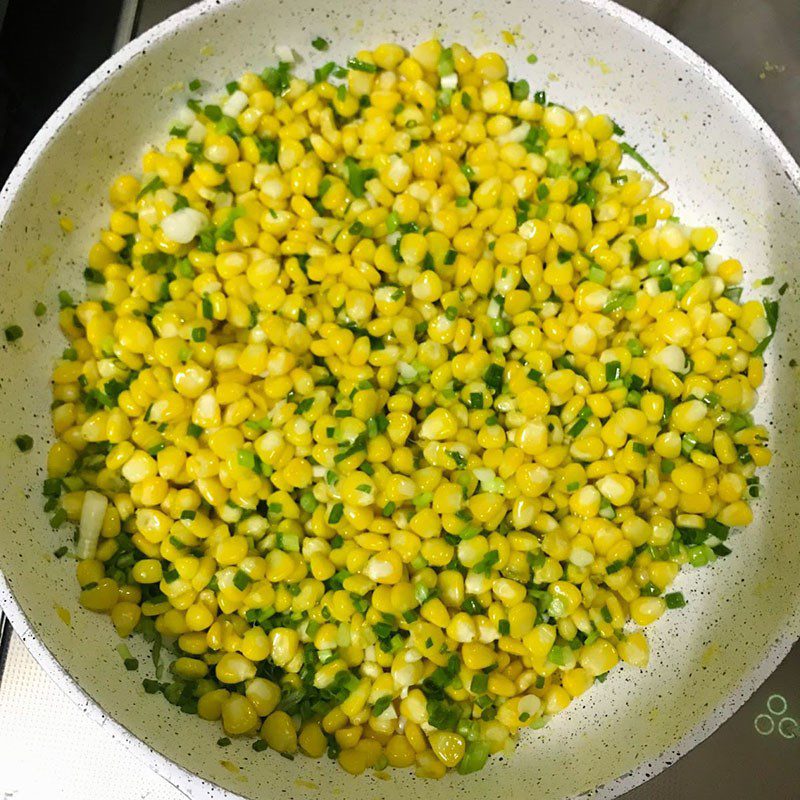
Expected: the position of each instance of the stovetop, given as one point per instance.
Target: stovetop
(755, 754)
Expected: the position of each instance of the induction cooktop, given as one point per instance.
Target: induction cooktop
(46, 49)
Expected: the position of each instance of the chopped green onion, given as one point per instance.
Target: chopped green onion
(361, 66)
(13, 332)
(675, 600)
(336, 513)
(520, 90)
(639, 159)
(23, 442)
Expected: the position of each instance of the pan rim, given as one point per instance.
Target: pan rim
(177, 775)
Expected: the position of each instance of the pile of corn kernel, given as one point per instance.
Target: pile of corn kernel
(397, 403)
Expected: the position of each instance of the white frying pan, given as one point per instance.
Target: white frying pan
(725, 168)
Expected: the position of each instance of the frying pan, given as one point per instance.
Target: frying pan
(725, 168)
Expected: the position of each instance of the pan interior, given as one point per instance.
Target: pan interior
(724, 169)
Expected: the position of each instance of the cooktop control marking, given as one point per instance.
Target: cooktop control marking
(777, 719)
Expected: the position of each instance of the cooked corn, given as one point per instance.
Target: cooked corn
(406, 396)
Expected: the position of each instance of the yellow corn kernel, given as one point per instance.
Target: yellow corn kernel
(264, 695)
(209, 706)
(125, 616)
(633, 649)
(312, 740)
(477, 656)
(645, 610)
(448, 747)
(234, 668)
(599, 657)
(279, 733)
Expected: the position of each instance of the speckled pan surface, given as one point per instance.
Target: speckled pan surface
(725, 168)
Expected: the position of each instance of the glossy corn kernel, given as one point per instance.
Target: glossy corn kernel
(279, 733)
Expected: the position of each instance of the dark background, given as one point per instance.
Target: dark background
(48, 47)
